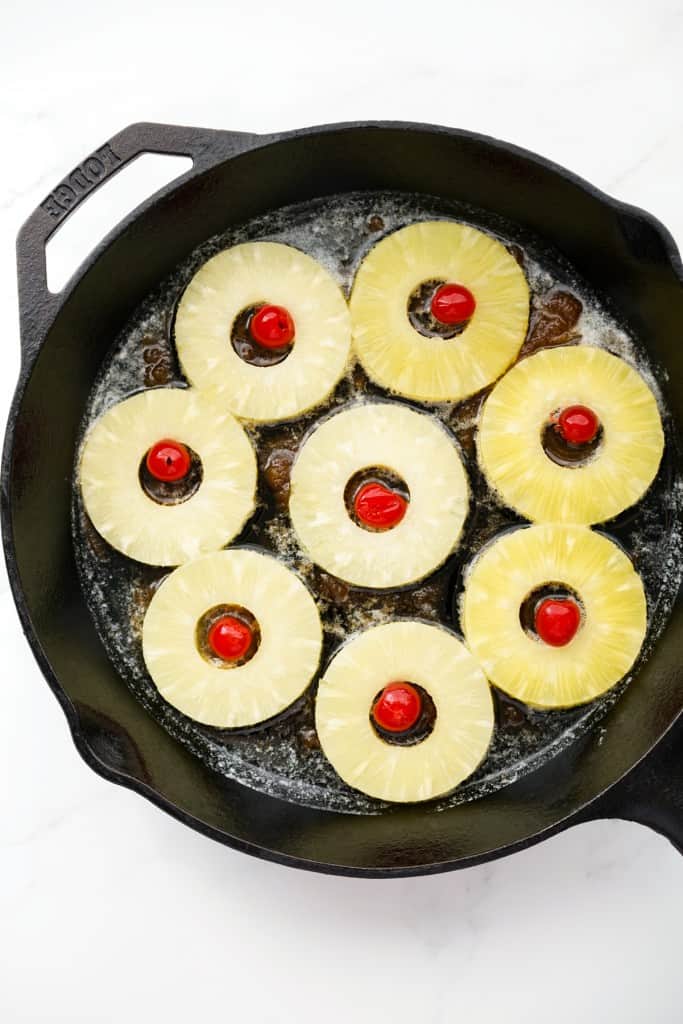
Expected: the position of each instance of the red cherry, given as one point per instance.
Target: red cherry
(230, 638)
(452, 304)
(578, 424)
(272, 327)
(379, 507)
(168, 461)
(397, 708)
(557, 620)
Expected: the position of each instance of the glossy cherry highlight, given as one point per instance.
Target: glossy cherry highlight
(168, 461)
(272, 327)
(452, 304)
(379, 507)
(578, 424)
(397, 708)
(557, 621)
(230, 638)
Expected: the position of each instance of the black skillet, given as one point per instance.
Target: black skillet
(633, 769)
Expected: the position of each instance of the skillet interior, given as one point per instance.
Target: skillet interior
(624, 256)
(282, 759)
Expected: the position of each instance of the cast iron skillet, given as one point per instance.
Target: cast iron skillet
(633, 770)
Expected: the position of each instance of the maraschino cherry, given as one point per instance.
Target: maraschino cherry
(557, 620)
(452, 304)
(168, 461)
(272, 327)
(578, 424)
(379, 507)
(397, 708)
(230, 638)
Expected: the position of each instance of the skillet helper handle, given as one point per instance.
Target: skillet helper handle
(205, 147)
(652, 793)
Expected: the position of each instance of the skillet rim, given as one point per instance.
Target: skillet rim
(229, 145)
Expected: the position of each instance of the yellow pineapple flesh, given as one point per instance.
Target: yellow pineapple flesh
(244, 277)
(614, 618)
(510, 435)
(435, 369)
(132, 521)
(429, 657)
(280, 670)
(411, 444)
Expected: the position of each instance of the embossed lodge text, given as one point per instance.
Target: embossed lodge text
(81, 180)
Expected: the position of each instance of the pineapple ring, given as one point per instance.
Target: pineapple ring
(394, 354)
(510, 436)
(247, 275)
(605, 645)
(432, 658)
(130, 520)
(414, 446)
(280, 670)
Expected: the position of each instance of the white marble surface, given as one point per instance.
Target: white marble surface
(109, 910)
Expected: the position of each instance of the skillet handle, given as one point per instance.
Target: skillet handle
(652, 793)
(206, 147)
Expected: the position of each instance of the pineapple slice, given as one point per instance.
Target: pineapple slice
(435, 369)
(410, 444)
(219, 692)
(127, 516)
(428, 657)
(585, 564)
(617, 472)
(243, 278)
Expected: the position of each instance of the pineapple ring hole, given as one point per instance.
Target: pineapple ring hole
(373, 475)
(419, 311)
(562, 452)
(554, 590)
(245, 345)
(175, 492)
(417, 733)
(210, 618)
